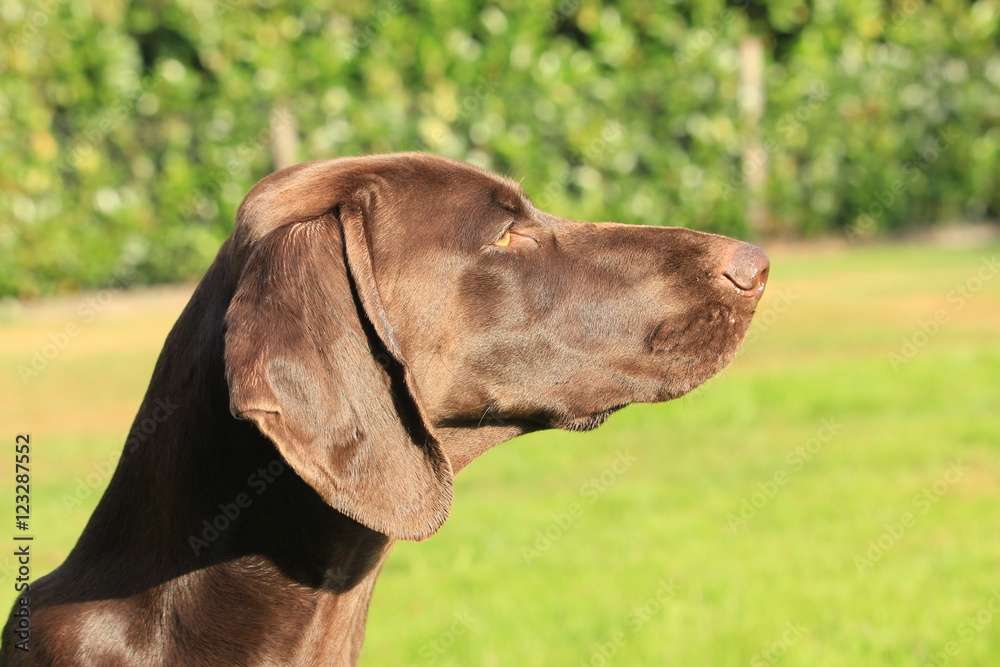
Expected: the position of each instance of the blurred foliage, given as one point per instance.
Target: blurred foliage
(130, 131)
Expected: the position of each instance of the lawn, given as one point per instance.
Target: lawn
(832, 498)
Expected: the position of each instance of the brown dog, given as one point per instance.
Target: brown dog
(371, 326)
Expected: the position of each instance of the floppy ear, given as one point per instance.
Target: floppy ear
(311, 359)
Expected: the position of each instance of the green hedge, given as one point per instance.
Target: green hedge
(129, 134)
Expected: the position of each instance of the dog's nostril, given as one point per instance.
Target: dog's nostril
(748, 268)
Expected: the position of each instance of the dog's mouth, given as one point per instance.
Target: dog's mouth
(527, 424)
(587, 422)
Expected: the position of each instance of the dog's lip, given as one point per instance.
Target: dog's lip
(607, 412)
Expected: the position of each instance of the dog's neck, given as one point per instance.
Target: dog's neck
(257, 553)
(205, 525)
(250, 552)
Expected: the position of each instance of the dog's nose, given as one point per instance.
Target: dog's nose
(748, 269)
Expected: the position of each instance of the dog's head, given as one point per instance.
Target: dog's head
(381, 299)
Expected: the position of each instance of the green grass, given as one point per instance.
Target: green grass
(651, 569)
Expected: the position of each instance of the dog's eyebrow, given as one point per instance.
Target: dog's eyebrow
(507, 199)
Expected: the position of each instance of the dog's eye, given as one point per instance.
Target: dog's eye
(503, 241)
(513, 239)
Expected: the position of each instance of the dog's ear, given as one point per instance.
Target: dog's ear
(312, 360)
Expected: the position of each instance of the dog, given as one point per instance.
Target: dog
(371, 326)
